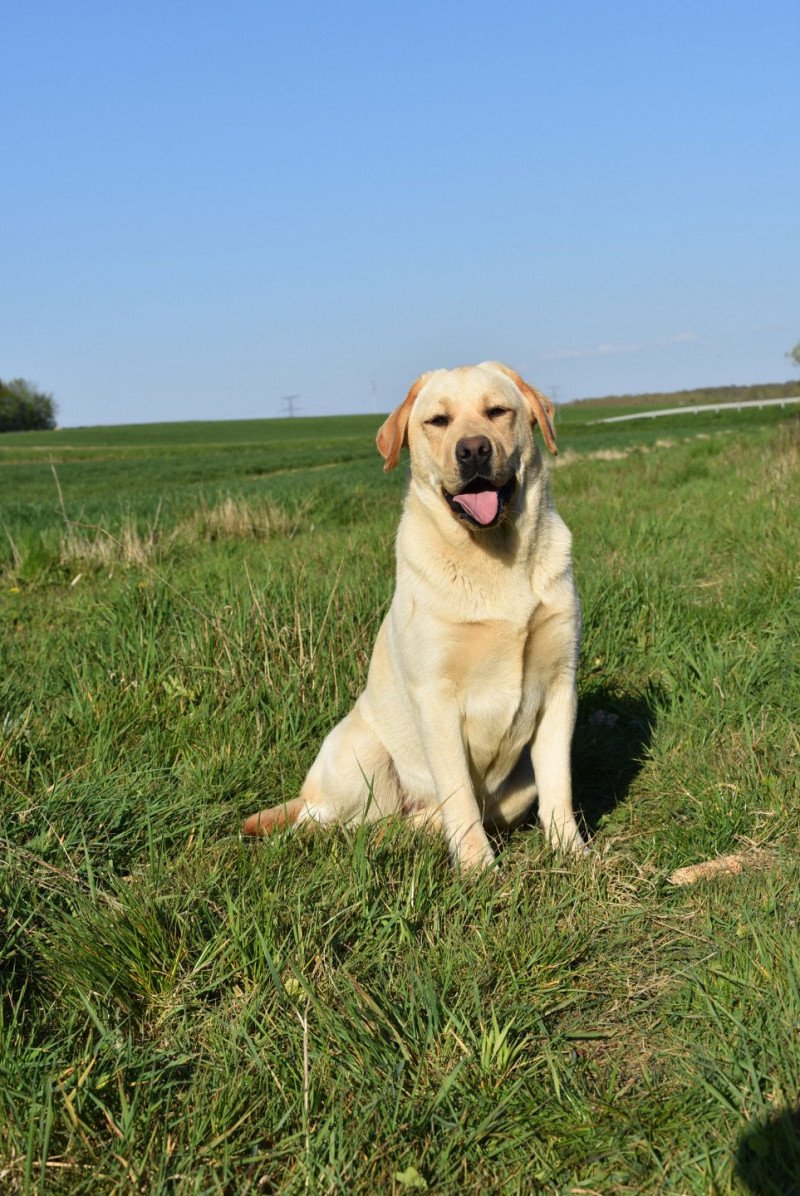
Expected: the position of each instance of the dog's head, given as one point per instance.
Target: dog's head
(469, 432)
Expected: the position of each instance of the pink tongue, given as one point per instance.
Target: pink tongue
(482, 507)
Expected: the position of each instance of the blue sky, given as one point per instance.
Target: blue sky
(208, 206)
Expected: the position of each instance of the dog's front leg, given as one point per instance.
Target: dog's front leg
(441, 733)
(550, 752)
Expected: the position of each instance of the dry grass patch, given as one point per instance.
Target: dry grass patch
(230, 519)
(98, 548)
(571, 456)
(241, 519)
(781, 462)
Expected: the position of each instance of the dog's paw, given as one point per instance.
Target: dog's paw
(473, 852)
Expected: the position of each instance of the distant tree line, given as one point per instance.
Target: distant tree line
(23, 408)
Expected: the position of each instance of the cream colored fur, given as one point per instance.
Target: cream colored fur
(471, 687)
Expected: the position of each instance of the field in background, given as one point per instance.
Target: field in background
(183, 1011)
(691, 398)
(159, 474)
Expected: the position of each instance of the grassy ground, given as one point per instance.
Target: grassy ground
(182, 1011)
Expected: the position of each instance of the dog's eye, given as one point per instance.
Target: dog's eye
(438, 421)
(496, 412)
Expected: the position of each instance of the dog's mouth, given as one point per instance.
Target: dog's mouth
(481, 502)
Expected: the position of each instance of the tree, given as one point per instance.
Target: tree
(794, 354)
(24, 408)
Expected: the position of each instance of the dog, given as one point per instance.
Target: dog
(470, 701)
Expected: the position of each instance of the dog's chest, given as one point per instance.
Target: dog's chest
(497, 688)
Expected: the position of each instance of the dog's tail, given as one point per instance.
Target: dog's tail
(276, 818)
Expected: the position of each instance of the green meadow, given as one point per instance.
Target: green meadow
(185, 610)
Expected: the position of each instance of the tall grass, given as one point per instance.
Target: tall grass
(340, 1012)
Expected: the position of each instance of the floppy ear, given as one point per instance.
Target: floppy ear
(392, 434)
(542, 408)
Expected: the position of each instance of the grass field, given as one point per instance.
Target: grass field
(183, 1011)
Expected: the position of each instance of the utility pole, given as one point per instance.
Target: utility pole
(289, 405)
(374, 397)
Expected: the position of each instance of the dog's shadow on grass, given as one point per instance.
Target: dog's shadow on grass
(767, 1159)
(609, 748)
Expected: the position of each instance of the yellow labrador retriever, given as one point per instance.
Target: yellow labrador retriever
(470, 701)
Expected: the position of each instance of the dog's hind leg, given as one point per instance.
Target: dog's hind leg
(274, 819)
(352, 780)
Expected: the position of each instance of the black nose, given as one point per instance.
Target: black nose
(473, 453)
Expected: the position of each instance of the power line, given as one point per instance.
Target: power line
(289, 405)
